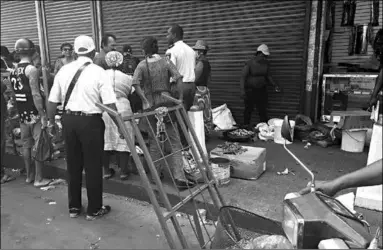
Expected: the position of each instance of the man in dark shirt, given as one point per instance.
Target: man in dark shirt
(25, 84)
(108, 43)
(254, 80)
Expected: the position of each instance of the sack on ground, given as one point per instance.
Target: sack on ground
(43, 149)
(222, 117)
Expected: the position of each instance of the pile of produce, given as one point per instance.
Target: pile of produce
(241, 133)
(264, 242)
(232, 148)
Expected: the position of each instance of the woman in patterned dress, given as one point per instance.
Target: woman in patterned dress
(202, 81)
(122, 85)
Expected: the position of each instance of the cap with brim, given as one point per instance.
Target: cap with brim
(201, 45)
(264, 49)
(83, 45)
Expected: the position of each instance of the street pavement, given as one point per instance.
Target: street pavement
(35, 219)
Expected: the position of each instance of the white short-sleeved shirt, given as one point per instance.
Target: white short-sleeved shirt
(183, 56)
(93, 86)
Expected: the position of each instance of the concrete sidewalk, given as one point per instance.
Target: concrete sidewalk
(29, 221)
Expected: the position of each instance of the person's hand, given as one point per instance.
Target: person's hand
(51, 129)
(145, 105)
(326, 187)
(277, 89)
(373, 101)
(121, 135)
(44, 121)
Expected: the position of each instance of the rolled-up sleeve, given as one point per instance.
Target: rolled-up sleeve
(106, 90)
(55, 94)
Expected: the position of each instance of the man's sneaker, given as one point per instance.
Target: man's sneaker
(103, 211)
(74, 212)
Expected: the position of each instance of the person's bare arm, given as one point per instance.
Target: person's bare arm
(370, 175)
(142, 96)
(33, 76)
(377, 88)
(198, 70)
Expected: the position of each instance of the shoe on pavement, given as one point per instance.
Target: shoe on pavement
(74, 212)
(104, 210)
(42, 183)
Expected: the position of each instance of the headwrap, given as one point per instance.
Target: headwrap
(114, 59)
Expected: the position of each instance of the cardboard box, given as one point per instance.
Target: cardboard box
(355, 119)
(249, 165)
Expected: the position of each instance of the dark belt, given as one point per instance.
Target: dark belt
(79, 113)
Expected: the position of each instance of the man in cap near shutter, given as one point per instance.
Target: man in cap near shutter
(83, 125)
(253, 84)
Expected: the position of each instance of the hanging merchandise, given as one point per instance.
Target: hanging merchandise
(361, 39)
(374, 14)
(351, 41)
(330, 15)
(348, 16)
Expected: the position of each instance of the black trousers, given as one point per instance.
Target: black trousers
(84, 145)
(257, 97)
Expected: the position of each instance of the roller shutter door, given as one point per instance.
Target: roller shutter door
(233, 30)
(18, 20)
(65, 21)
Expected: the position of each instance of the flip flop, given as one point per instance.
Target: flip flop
(42, 183)
(29, 181)
(110, 175)
(7, 178)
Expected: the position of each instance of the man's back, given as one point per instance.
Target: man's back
(183, 56)
(92, 86)
(21, 86)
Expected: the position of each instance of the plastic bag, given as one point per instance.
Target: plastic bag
(43, 149)
(222, 117)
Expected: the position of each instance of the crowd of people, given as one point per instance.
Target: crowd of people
(80, 78)
(125, 84)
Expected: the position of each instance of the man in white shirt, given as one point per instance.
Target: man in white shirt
(83, 125)
(183, 57)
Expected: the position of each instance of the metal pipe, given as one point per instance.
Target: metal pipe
(99, 23)
(304, 166)
(40, 28)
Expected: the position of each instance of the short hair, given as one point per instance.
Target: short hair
(104, 40)
(127, 48)
(178, 31)
(149, 45)
(66, 45)
(4, 51)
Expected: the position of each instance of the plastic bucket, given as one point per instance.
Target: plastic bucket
(221, 170)
(353, 141)
(277, 131)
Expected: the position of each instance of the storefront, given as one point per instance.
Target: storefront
(233, 30)
(350, 68)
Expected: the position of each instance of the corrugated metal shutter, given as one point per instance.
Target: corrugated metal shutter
(65, 21)
(18, 20)
(341, 34)
(233, 30)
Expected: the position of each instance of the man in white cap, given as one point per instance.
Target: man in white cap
(254, 80)
(79, 85)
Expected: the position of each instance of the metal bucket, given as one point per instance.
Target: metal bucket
(221, 170)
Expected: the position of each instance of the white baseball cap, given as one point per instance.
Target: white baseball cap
(264, 49)
(83, 45)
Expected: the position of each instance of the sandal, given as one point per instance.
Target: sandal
(7, 178)
(110, 174)
(42, 183)
(124, 177)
